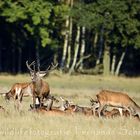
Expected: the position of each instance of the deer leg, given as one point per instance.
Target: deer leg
(100, 110)
(95, 106)
(103, 110)
(130, 111)
(34, 101)
(37, 103)
(16, 105)
(50, 103)
(18, 98)
(41, 101)
(120, 111)
(94, 111)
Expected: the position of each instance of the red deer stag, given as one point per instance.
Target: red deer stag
(117, 99)
(41, 88)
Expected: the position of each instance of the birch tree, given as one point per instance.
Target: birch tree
(76, 49)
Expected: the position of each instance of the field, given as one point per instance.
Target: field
(79, 89)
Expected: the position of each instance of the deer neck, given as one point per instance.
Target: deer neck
(136, 109)
(37, 85)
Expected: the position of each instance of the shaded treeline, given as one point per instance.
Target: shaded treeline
(91, 37)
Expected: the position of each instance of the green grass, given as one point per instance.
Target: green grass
(27, 125)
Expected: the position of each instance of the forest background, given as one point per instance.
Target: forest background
(82, 36)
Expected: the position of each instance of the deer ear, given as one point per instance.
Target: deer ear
(42, 74)
(62, 99)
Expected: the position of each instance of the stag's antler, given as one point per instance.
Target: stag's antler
(29, 65)
(91, 100)
(51, 67)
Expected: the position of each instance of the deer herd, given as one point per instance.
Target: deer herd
(108, 104)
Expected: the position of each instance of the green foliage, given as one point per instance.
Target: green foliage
(61, 11)
(13, 12)
(117, 22)
(33, 14)
(117, 16)
(44, 37)
(137, 42)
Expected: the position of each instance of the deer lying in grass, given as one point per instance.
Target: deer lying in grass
(44, 111)
(117, 99)
(95, 105)
(41, 88)
(115, 113)
(49, 101)
(67, 106)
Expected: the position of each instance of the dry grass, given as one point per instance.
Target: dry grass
(27, 125)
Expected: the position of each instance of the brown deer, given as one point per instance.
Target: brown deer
(117, 99)
(18, 91)
(68, 106)
(115, 113)
(41, 88)
(44, 111)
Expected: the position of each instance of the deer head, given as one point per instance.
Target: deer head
(95, 104)
(36, 75)
(65, 104)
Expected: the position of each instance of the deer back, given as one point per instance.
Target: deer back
(114, 98)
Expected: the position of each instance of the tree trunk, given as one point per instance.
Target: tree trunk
(120, 63)
(19, 59)
(100, 46)
(95, 40)
(65, 44)
(82, 47)
(76, 50)
(106, 61)
(0, 56)
(113, 64)
(95, 46)
(69, 45)
(13, 60)
(37, 54)
(81, 60)
(69, 38)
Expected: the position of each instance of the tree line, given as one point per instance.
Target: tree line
(83, 36)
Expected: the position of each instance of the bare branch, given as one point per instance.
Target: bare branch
(82, 58)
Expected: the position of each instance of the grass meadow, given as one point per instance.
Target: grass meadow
(79, 89)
